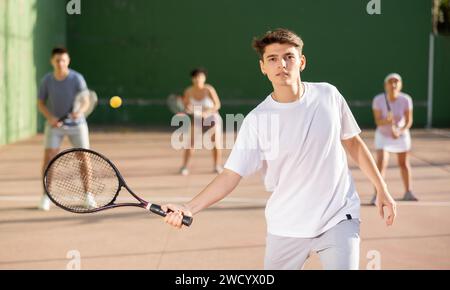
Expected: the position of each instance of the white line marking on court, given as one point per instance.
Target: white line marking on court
(421, 203)
(441, 133)
(180, 199)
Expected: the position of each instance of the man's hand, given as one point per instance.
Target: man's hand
(387, 207)
(175, 214)
(54, 122)
(222, 185)
(75, 115)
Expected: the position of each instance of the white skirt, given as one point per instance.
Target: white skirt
(389, 144)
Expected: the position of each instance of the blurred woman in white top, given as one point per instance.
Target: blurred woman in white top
(202, 105)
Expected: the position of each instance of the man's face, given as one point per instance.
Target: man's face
(199, 80)
(282, 64)
(393, 86)
(60, 62)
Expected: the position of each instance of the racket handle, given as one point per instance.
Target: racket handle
(63, 118)
(154, 208)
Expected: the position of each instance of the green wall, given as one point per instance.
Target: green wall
(49, 31)
(145, 49)
(441, 95)
(28, 29)
(17, 114)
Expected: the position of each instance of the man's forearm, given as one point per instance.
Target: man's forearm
(220, 187)
(85, 103)
(363, 158)
(44, 111)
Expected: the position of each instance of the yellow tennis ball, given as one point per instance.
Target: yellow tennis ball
(115, 102)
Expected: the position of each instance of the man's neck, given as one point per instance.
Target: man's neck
(288, 94)
(61, 75)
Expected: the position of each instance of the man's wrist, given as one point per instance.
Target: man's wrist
(189, 207)
(381, 188)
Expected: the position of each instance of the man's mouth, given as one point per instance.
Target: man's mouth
(283, 74)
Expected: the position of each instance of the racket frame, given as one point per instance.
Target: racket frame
(93, 101)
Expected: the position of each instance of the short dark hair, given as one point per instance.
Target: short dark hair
(197, 71)
(59, 50)
(280, 35)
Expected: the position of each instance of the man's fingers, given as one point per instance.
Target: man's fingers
(175, 219)
(381, 210)
(390, 219)
(167, 218)
(168, 207)
(394, 209)
(174, 214)
(391, 216)
(179, 221)
(172, 219)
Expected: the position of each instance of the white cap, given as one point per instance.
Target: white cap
(392, 76)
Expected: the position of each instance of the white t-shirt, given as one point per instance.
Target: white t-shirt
(297, 146)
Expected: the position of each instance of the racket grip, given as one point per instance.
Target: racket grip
(154, 208)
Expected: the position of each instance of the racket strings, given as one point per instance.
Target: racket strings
(175, 103)
(81, 181)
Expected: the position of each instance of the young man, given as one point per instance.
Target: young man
(56, 96)
(314, 205)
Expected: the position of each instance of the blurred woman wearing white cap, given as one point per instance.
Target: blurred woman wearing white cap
(393, 113)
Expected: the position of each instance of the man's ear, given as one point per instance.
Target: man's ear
(302, 63)
(261, 65)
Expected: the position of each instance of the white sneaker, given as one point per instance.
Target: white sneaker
(44, 204)
(184, 171)
(90, 202)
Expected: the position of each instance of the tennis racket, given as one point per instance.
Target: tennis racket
(84, 181)
(389, 113)
(175, 104)
(85, 101)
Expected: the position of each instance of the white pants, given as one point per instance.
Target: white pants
(338, 249)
